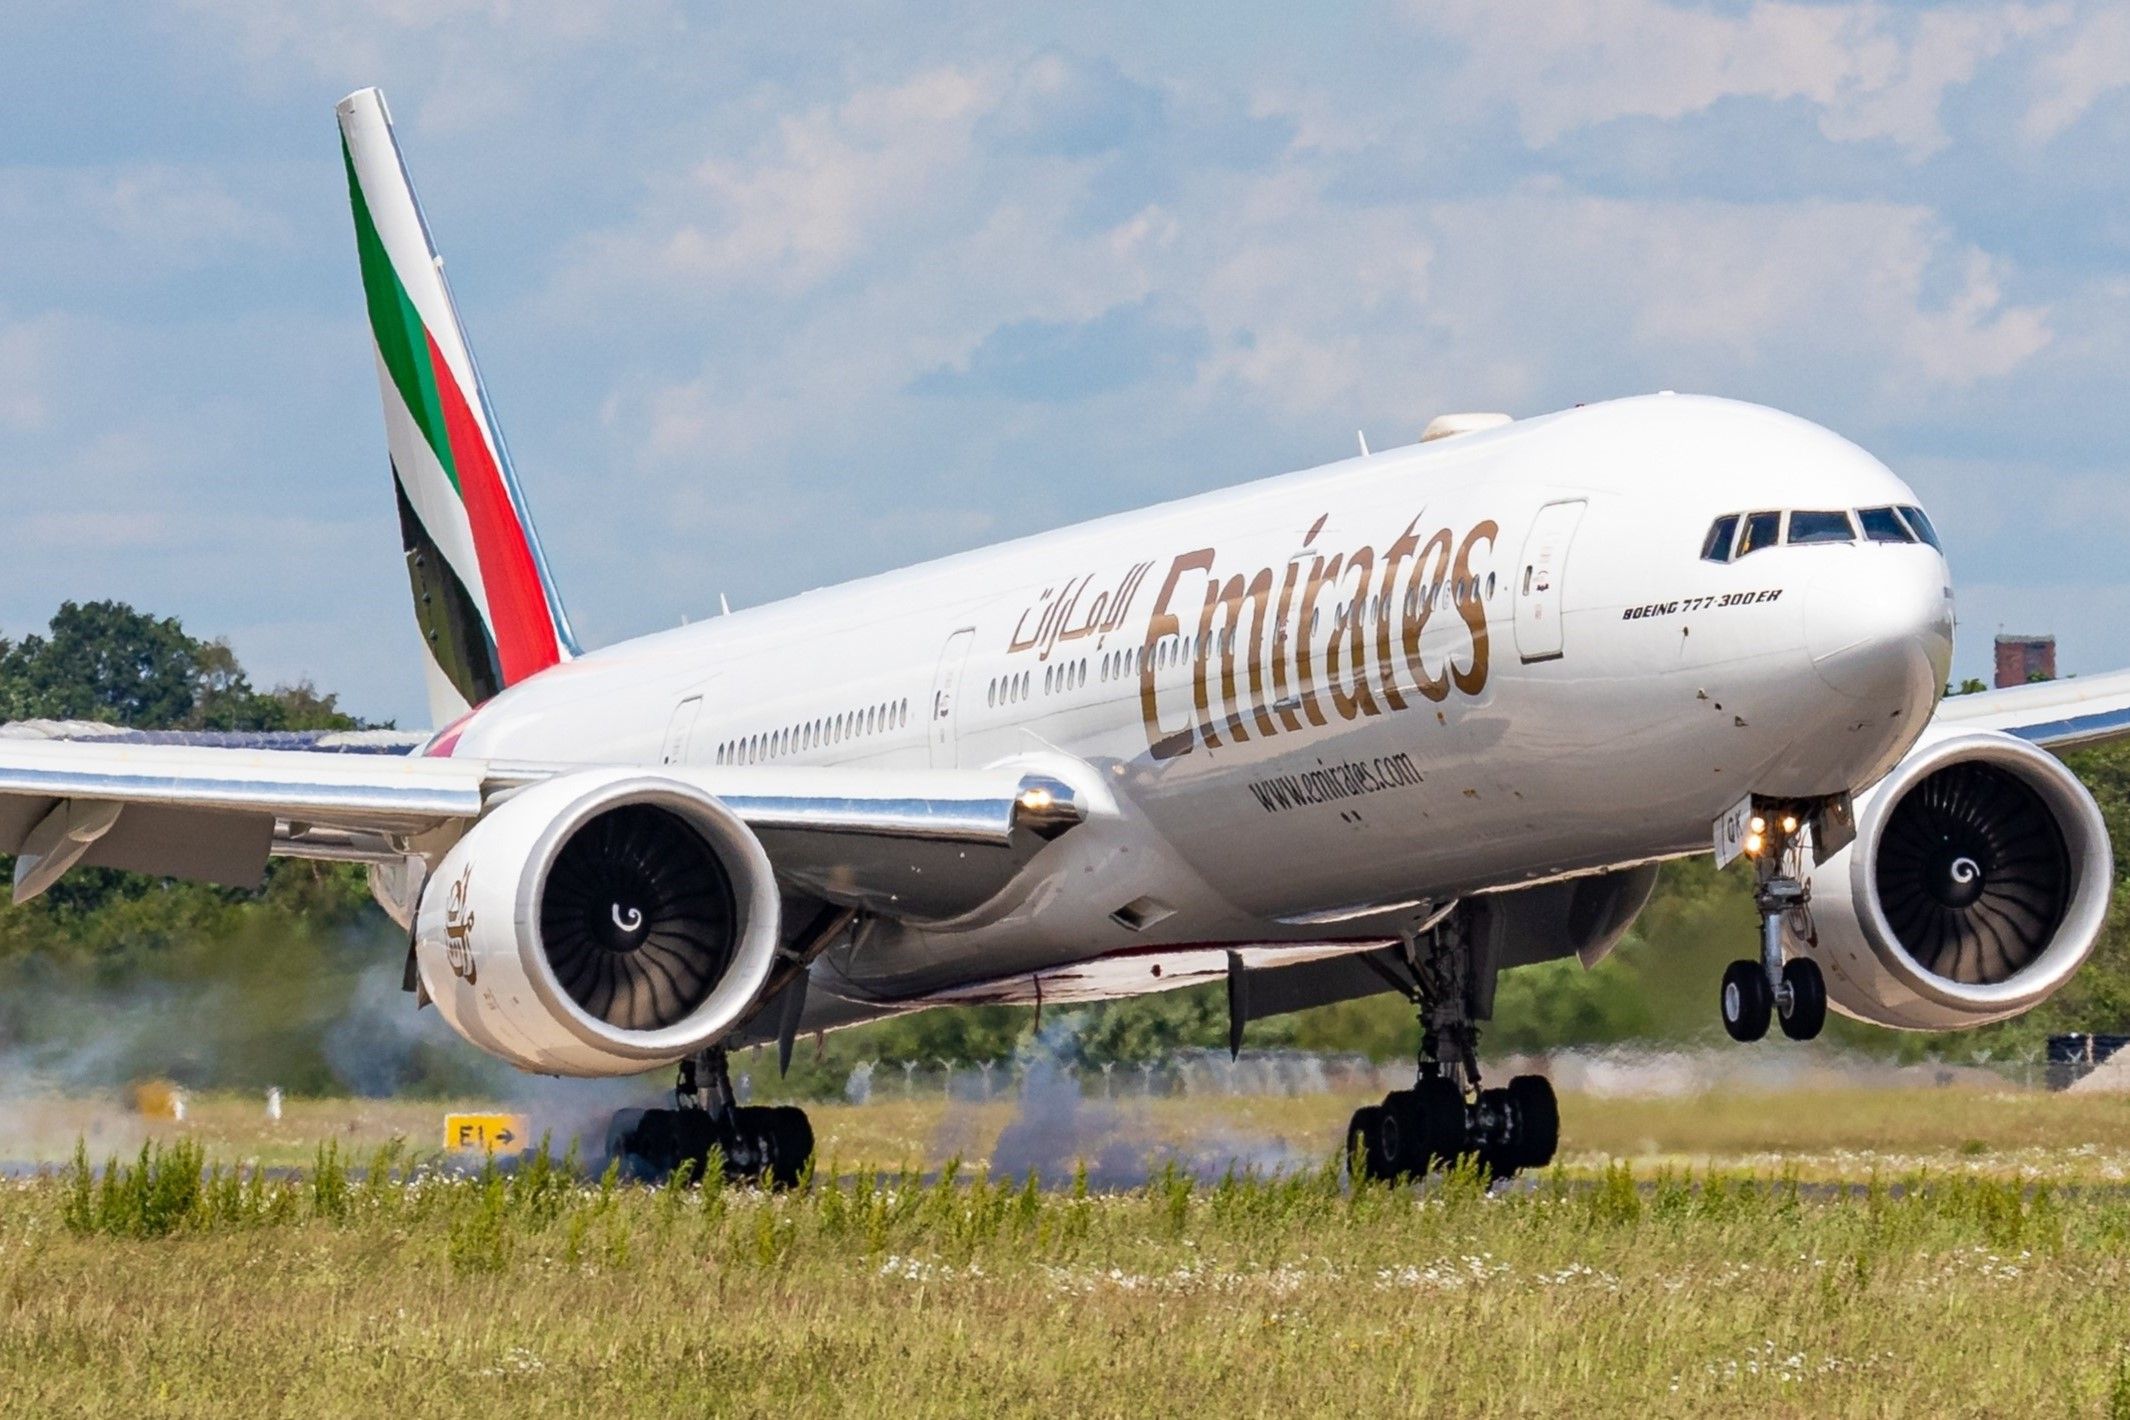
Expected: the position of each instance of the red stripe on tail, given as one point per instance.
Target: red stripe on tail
(517, 604)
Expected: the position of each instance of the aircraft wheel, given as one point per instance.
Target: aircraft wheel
(791, 1145)
(1537, 1113)
(1363, 1161)
(1747, 1003)
(1423, 1128)
(1804, 1012)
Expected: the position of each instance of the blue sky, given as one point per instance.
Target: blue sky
(766, 300)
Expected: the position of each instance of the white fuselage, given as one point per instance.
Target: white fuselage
(1456, 667)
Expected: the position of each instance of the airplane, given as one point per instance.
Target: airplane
(1398, 723)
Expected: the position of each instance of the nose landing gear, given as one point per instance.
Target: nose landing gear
(1792, 992)
(766, 1144)
(1446, 1116)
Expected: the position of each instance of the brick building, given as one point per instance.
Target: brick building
(2024, 658)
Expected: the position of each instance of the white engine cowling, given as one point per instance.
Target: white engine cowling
(599, 924)
(1977, 884)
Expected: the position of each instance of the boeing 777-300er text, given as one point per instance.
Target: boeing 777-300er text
(1399, 723)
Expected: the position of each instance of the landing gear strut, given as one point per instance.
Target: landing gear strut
(1446, 1116)
(1792, 992)
(768, 1144)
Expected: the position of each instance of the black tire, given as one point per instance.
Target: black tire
(1399, 1135)
(651, 1143)
(621, 1132)
(1422, 1129)
(1747, 1002)
(791, 1145)
(1537, 1113)
(1362, 1158)
(1442, 1104)
(1807, 1013)
(1499, 1158)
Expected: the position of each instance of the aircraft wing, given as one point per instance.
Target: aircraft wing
(2057, 715)
(922, 842)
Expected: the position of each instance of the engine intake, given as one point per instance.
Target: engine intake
(1978, 882)
(1973, 874)
(637, 918)
(598, 924)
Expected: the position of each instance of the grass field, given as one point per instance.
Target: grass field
(1975, 1265)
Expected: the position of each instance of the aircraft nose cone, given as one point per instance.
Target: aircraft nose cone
(1879, 623)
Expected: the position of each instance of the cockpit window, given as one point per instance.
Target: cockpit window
(1884, 525)
(1761, 530)
(1717, 547)
(1920, 523)
(1812, 525)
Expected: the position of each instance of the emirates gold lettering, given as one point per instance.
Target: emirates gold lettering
(1347, 636)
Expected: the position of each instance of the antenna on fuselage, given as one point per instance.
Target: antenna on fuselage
(1363, 440)
(724, 607)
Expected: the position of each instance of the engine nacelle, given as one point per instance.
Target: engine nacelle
(1977, 884)
(599, 924)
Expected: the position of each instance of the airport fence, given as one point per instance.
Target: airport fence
(1638, 1071)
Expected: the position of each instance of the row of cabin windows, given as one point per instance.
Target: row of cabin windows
(1734, 535)
(814, 734)
(1176, 650)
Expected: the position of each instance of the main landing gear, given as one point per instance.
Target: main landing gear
(761, 1143)
(1445, 1116)
(1792, 992)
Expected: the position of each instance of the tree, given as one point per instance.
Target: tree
(103, 661)
(106, 661)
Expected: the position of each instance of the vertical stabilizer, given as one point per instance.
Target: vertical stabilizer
(487, 608)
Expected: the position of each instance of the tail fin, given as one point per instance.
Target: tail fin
(486, 605)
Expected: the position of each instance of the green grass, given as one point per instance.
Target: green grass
(180, 1283)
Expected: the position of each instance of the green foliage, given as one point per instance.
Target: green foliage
(106, 661)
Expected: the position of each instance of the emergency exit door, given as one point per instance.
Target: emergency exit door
(1541, 575)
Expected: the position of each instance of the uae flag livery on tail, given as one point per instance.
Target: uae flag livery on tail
(487, 609)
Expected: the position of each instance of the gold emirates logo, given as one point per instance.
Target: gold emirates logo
(1270, 677)
(458, 928)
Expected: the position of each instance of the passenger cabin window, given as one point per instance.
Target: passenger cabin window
(1716, 547)
(1919, 521)
(1812, 525)
(1884, 525)
(1761, 530)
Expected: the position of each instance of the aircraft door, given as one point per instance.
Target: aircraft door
(679, 729)
(1541, 573)
(945, 685)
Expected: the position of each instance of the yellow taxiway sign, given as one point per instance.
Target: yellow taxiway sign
(485, 1133)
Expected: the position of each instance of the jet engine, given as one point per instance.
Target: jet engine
(1977, 883)
(599, 924)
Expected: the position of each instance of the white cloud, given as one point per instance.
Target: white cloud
(834, 182)
(121, 222)
(1873, 71)
(1510, 298)
(2087, 64)
(465, 63)
(25, 373)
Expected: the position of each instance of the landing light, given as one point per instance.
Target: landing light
(1036, 799)
(1789, 823)
(1758, 825)
(1752, 843)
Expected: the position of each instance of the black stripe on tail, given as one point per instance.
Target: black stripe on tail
(445, 610)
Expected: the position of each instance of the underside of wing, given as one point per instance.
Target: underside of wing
(1283, 976)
